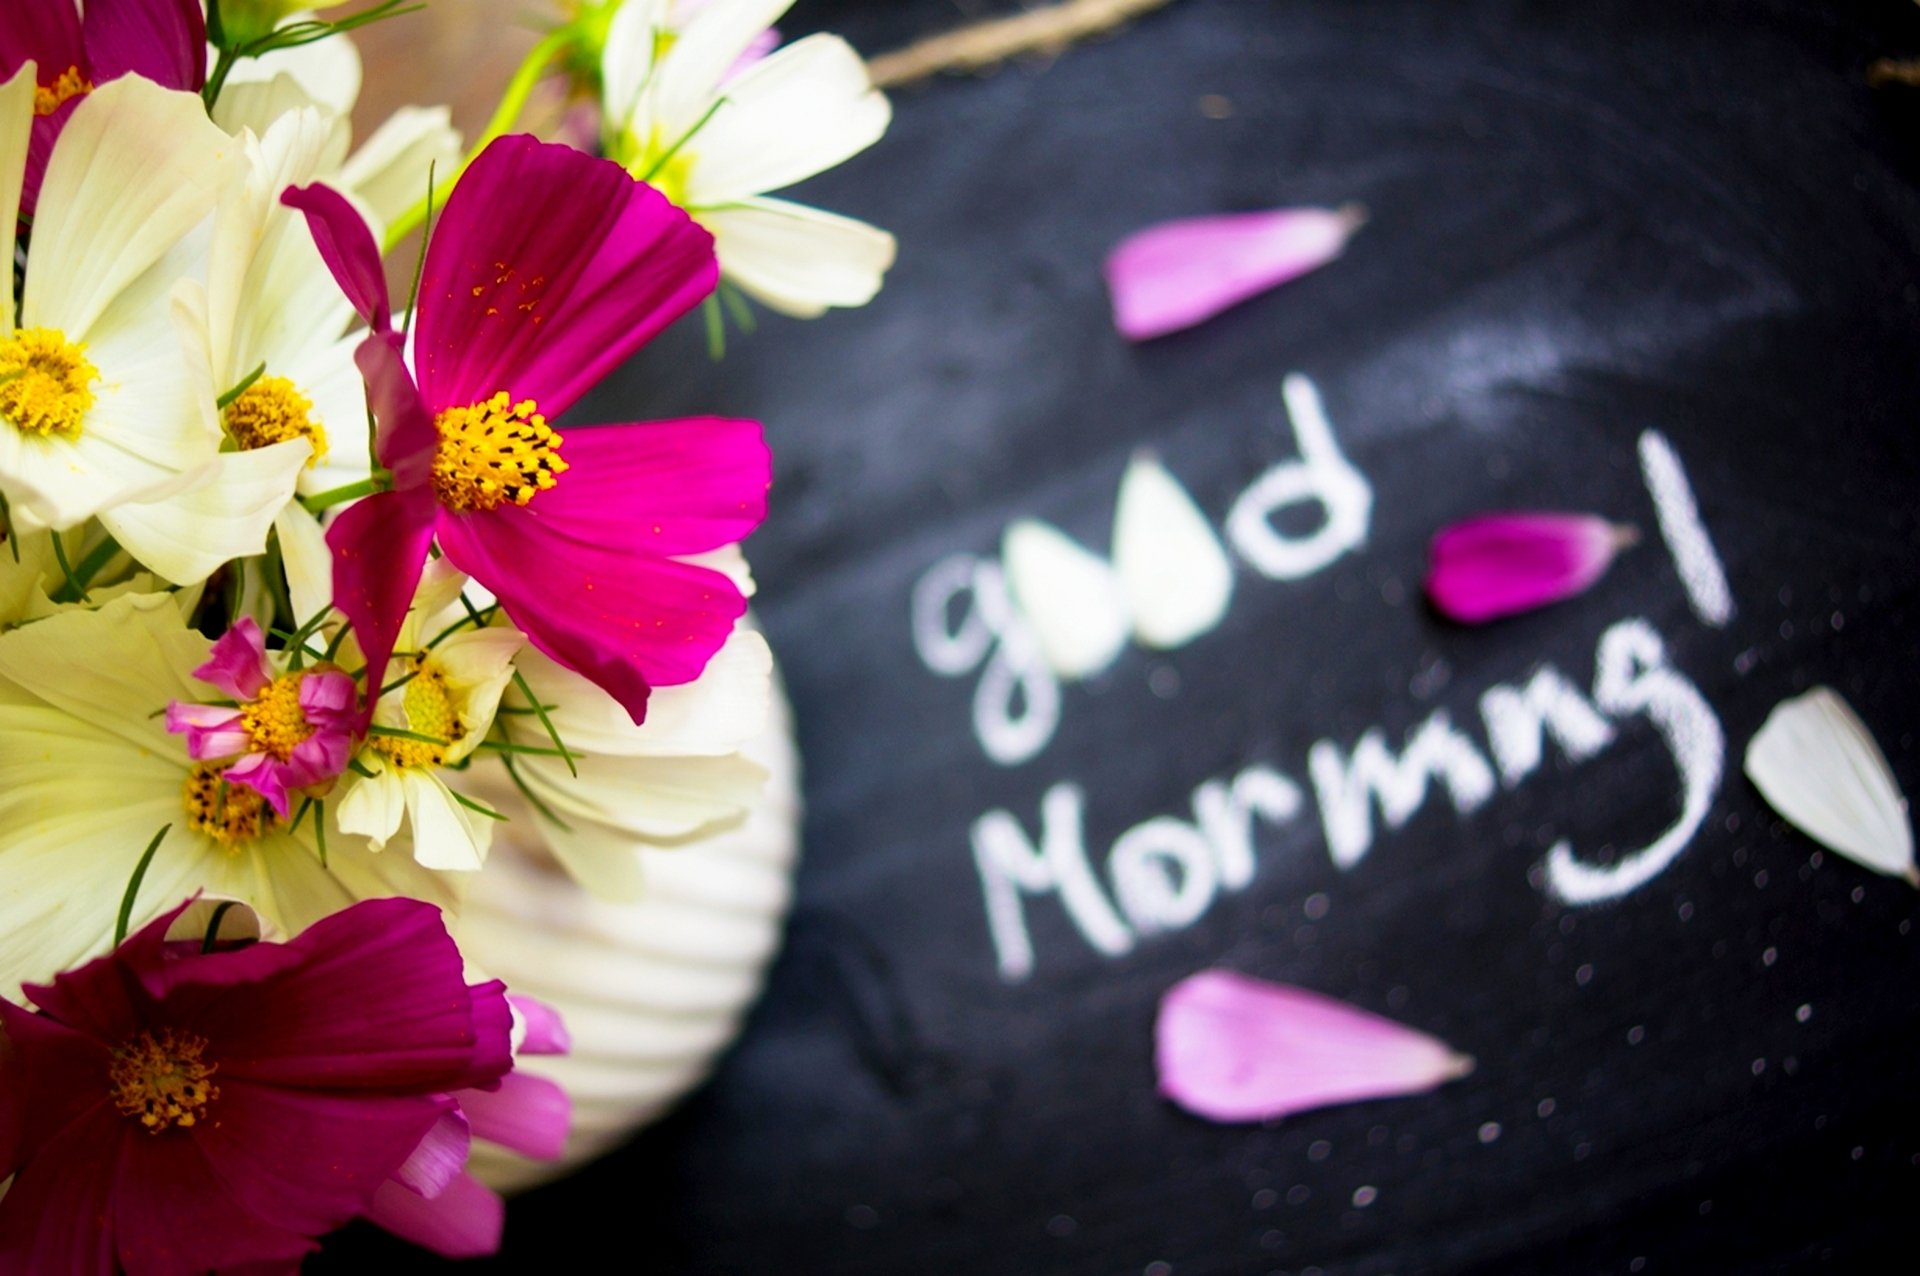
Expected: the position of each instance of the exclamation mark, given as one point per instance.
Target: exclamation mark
(1686, 537)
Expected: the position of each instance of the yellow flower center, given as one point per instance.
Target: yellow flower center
(669, 178)
(272, 410)
(275, 721)
(494, 451)
(161, 1080)
(429, 709)
(48, 98)
(231, 814)
(46, 382)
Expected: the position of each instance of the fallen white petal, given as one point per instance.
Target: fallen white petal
(1176, 576)
(1071, 597)
(1816, 763)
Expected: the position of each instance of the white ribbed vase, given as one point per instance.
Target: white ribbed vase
(652, 991)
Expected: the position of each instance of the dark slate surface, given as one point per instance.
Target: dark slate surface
(1587, 221)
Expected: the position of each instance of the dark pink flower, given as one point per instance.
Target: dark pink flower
(74, 53)
(434, 1202)
(1498, 564)
(287, 732)
(1179, 273)
(1231, 1048)
(547, 269)
(170, 1111)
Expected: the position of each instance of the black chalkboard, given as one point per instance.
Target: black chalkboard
(1588, 222)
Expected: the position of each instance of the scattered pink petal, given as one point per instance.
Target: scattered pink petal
(1231, 1048)
(1499, 564)
(1176, 274)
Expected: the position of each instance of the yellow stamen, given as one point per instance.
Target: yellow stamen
(275, 721)
(429, 710)
(48, 98)
(670, 178)
(231, 814)
(161, 1080)
(272, 410)
(492, 452)
(46, 382)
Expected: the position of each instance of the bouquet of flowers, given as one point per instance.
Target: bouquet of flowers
(303, 593)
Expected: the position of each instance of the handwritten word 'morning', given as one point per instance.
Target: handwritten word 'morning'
(1165, 872)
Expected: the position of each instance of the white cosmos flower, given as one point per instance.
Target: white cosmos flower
(716, 139)
(98, 412)
(388, 173)
(673, 779)
(88, 775)
(450, 692)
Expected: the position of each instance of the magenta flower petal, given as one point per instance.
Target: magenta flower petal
(440, 1156)
(548, 268)
(163, 40)
(264, 776)
(46, 32)
(464, 1221)
(661, 487)
(1499, 564)
(623, 621)
(212, 730)
(237, 665)
(529, 1114)
(545, 1032)
(165, 1194)
(1231, 1048)
(350, 1144)
(1176, 274)
(379, 549)
(347, 246)
(299, 1014)
(327, 699)
(57, 1215)
(38, 1054)
(405, 435)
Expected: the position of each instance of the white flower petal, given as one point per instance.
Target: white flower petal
(16, 129)
(715, 714)
(627, 59)
(1071, 597)
(254, 105)
(799, 112)
(796, 259)
(1817, 764)
(327, 376)
(1174, 572)
(113, 668)
(702, 54)
(136, 167)
(659, 800)
(270, 295)
(307, 561)
(446, 835)
(187, 535)
(327, 70)
(389, 171)
(373, 805)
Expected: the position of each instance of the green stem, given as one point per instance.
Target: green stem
(339, 495)
(512, 103)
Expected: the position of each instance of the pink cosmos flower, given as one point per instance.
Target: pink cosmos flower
(1500, 564)
(1177, 274)
(548, 268)
(74, 53)
(434, 1202)
(170, 1111)
(1231, 1048)
(290, 732)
